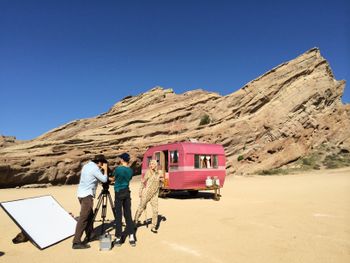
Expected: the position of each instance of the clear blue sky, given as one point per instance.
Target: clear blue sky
(62, 60)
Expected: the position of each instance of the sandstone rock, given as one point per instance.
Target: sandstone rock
(7, 140)
(271, 121)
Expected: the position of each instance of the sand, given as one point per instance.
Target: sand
(290, 218)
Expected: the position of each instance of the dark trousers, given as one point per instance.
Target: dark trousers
(84, 222)
(123, 206)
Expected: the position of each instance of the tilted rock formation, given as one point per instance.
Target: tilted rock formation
(7, 140)
(272, 121)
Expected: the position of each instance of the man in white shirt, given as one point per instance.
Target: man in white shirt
(90, 176)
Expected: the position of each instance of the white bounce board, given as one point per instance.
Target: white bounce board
(42, 218)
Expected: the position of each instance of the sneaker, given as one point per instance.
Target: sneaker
(132, 240)
(80, 246)
(132, 243)
(117, 242)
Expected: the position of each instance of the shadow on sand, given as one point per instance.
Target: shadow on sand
(107, 227)
(186, 195)
(147, 222)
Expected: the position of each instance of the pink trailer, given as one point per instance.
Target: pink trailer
(187, 165)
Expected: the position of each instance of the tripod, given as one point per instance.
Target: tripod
(103, 199)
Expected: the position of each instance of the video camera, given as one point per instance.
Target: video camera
(100, 158)
(109, 181)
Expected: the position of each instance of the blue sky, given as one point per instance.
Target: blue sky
(65, 60)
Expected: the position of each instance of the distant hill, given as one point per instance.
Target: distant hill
(289, 113)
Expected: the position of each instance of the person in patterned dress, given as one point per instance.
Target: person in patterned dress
(149, 191)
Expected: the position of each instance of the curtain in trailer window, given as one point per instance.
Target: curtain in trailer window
(174, 157)
(157, 157)
(205, 161)
(215, 161)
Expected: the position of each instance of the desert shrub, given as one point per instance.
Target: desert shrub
(337, 161)
(273, 171)
(307, 161)
(240, 158)
(316, 167)
(205, 119)
(311, 161)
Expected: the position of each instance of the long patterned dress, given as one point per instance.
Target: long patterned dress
(149, 191)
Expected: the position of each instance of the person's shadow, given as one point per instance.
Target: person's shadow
(160, 219)
(102, 229)
(148, 222)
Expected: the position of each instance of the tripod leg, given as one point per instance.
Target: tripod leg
(112, 204)
(100, 197)
(91, 223)
(104, 212)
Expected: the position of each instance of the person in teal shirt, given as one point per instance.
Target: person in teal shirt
(122, 176)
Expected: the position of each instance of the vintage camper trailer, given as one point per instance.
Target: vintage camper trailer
(188, 165)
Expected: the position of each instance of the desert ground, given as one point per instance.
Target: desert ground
(288, 218)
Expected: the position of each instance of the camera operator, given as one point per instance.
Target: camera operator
(90, 176)
(123, 174)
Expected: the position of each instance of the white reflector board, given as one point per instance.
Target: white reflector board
(42, 218)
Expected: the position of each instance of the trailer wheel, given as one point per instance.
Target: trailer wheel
(193, 192)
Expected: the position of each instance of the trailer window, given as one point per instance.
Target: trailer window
(157, 157)
(205, 161)
(196, 161)
(202, 161)
(174, 161)
(174, 157)
(149, 158)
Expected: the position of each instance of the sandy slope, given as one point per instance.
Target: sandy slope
(293, 218)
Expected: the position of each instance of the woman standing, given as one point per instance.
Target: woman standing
(123, 174)
(149, 191)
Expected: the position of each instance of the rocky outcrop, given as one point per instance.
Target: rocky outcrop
(272, 121)
(7, 140)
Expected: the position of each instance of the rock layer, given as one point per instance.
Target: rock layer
(272, 121)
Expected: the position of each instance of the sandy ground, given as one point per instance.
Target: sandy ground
(292, 218)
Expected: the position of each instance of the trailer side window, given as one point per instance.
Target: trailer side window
(174, 160)
(174, 157)
(196, 161)
(157, 157)
(149, 158)
(202, 161)
(205, 161)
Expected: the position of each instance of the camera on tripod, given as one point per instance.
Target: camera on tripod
(110, 179)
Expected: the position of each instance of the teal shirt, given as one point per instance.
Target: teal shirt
(122, 175)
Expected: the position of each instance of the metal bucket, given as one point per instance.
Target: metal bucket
(105, 242)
